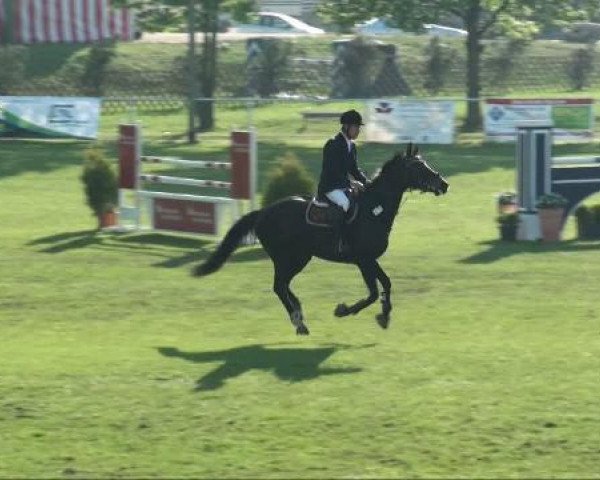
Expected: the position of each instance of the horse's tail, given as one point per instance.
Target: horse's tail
(231, 241)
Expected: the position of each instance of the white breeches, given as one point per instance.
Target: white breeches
(339, 198)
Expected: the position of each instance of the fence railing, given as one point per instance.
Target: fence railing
(160, 90)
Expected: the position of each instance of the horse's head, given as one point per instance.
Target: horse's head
(410, 170)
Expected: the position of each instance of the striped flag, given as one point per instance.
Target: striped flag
(68, 21)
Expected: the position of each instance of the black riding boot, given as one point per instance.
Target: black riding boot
(341, 245)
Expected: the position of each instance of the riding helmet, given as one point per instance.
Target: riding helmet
(351, 117)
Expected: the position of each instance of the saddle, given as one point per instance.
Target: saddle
(321, 212)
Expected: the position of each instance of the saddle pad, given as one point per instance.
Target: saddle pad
(317, 214)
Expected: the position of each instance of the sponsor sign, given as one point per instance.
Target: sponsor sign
(76, 117)
(392, 121)
(185, 215)
(572, 118)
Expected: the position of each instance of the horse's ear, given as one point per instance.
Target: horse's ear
(409, 149)
(416, 152)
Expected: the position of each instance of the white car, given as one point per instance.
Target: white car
(376, 26)
(273, 22)
(443, 31)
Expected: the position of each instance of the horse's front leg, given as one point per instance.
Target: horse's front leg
(383, 319)
(368, 269)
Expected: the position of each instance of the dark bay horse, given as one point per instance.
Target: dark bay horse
(291, 242)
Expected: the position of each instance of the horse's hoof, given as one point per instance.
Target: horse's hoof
(302, 330)
(383, 320)
(341, 310)
(296, 317)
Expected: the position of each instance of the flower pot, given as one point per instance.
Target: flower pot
(551, 221)
(507, 208)
(508, 233)
(107, 219)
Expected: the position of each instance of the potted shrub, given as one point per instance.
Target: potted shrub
(508, 223)
(101, 188)
(588, 222)
(507, 202)
(287, 178)
(551, 209)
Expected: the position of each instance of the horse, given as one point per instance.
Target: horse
(291, 241)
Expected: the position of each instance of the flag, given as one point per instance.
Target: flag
(64, 21)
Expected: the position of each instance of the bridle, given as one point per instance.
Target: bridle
(422, 184)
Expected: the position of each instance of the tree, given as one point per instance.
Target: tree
(171, 15)
(239, 9)
(196, 15)
(477, 18)
(209, 25)
(345, 13)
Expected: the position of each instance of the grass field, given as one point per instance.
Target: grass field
(115, 362)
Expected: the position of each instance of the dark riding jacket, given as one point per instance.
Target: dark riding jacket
(338, 163)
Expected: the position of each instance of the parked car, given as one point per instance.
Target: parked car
(273, 22)
(582, 32)
(376, 26)
(443, 31)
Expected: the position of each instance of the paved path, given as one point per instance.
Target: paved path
(162, 37)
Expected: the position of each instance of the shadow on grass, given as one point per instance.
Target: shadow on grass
(469, 156)
(42, 156)
(288, 364)
(498, 250)
(67, 241)
(178, 250)
(243, 254)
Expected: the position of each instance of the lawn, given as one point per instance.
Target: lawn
(117, 363)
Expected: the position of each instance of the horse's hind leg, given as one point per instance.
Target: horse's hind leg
(285, 270)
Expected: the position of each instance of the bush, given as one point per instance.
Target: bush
(584, 214)
(12, 67)
(580, 66)
(552, 200)
(95, 68)
(589, 214)
(507, 198)
(502, 62)
(268, 66)
(355, 63)
(288, 178)
(100, 182)
(588, 221)
(438, 63)
(507, 219)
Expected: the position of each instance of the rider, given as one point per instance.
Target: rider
(339, 163)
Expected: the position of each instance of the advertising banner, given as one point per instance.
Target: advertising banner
(185, 216)
(76, 117)
(390, 121)
(572, 118)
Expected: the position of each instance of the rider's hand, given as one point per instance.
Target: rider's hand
(357, 186)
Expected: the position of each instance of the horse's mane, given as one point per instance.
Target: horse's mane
(381, 171)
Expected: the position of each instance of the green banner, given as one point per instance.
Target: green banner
(571, 117)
